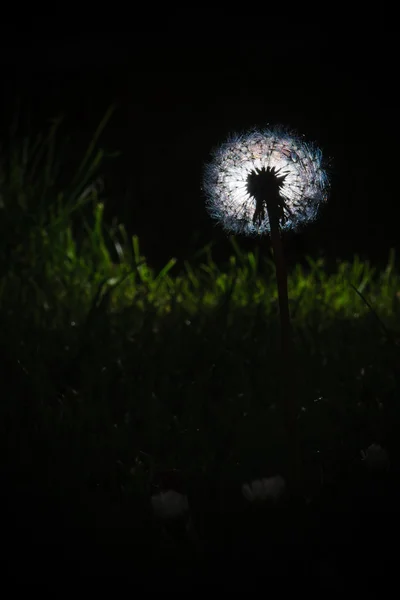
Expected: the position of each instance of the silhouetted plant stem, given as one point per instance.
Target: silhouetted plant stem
(287, 363)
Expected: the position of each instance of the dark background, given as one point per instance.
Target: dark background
(179, 94)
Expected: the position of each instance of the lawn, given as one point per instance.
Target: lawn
(120, 383)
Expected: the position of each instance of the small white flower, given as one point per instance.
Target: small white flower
(375, 457)
(262, 489)
(169, 505)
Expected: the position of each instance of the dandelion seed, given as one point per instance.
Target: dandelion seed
(283, 163)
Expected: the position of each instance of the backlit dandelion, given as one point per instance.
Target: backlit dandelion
(264, 182)
(247, 168)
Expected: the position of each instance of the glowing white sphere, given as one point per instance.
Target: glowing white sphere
(304, 189)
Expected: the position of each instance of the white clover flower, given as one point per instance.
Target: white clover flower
(375, 457)
(262, 489)
(169, 504)
(233, 192)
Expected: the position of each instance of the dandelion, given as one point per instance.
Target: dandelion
(258, 172)
(263, 489)
(265, 182)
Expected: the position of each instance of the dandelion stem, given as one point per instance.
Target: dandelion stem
(287, 363)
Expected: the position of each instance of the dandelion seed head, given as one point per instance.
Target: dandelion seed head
(233, 192)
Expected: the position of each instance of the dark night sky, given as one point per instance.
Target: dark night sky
(180, 96)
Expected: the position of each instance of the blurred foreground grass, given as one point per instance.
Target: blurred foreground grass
(119, 381)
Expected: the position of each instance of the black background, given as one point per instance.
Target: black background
(181, 92)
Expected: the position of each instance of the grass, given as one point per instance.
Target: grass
(119, 381)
